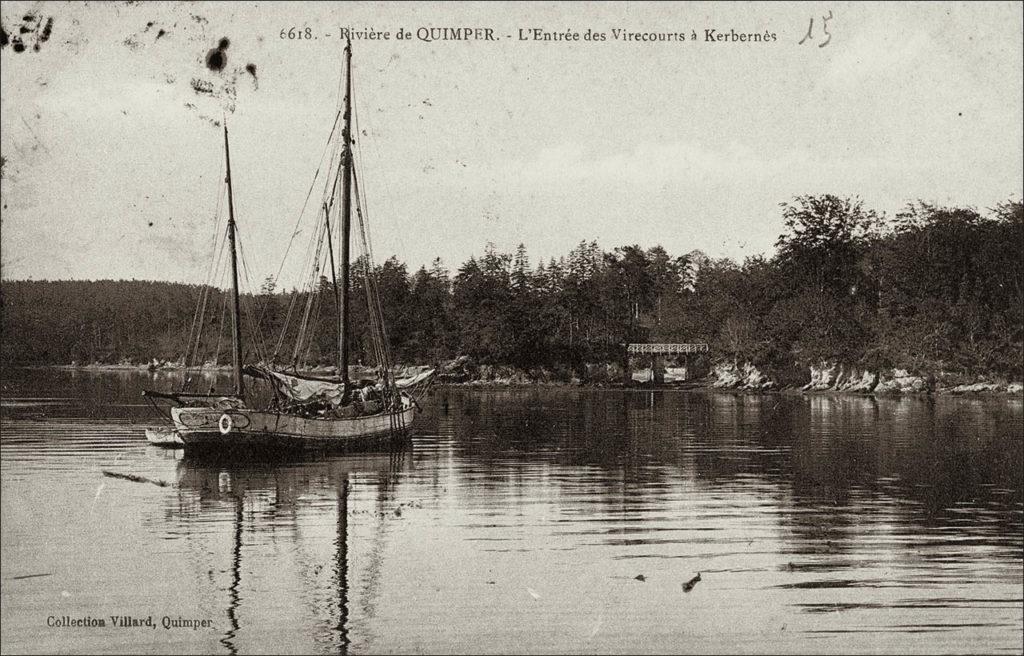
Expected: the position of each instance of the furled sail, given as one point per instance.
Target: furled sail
(302, 389)
(414, 380)
(299, 389)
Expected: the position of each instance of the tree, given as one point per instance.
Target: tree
(825, 239)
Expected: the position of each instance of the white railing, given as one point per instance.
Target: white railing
(666, 349)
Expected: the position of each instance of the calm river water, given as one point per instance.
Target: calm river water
(535, 520)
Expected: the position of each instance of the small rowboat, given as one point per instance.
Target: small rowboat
(164, 437)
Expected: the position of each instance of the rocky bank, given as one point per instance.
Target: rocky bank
(836, 377)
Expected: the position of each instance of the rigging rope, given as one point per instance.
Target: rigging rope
(318, 301)
(217, 276)
(308, 259)
(255, 335)
(313, 292)
(215, 354)
(198, 317)
(298, 292)
(374, 305)
(379, 339)
(310, 294)
(312, 184)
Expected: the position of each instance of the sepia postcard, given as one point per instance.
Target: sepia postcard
(539, 327)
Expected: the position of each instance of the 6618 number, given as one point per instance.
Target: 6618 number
(297, 33)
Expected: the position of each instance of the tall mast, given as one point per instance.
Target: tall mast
(346, 220)
(236, 321)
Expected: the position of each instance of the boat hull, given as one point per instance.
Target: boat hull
(210, 428)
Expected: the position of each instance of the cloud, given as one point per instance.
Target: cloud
(871, 55)
(688, 165)
(644, 165)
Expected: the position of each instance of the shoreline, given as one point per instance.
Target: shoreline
(709, 383)
(997, 392)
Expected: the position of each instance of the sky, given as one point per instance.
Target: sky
(113, 163)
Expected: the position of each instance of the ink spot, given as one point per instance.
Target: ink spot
(161, 33)
(47, 30)
(4, 39)
(149, 25)
(25, 29)
(251, 68)
(202, 86)
(150, 224)
(17, 45)
(959, 113)
(215, 59)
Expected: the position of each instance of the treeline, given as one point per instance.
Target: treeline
(933, 289)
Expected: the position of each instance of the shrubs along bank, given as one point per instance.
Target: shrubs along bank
(848, 299)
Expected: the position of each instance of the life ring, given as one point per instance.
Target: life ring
(225, 424)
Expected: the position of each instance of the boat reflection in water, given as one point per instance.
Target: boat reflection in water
(294, 513)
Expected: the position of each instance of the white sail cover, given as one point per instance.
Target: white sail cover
(416, 379)
(299, 389)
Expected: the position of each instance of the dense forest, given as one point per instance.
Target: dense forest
(932, 289)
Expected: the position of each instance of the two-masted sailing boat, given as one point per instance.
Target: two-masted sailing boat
(306, 412)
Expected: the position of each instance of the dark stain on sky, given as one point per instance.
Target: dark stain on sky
(250, 68)
(202, 86)
(217, 58)
(32, 31)
(161, 32)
